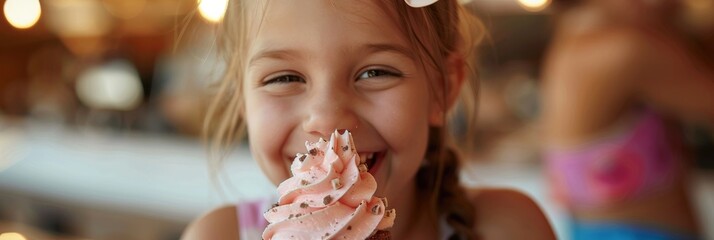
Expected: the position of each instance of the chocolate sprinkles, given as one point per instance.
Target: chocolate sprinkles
(313, 151)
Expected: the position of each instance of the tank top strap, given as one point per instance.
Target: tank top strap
(250, 217)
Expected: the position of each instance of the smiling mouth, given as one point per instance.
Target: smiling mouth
(373, 160)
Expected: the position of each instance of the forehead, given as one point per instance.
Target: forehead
(324, 25)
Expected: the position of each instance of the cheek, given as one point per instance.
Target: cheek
(405, 126)
(410, 131)
(267, 131)
(409, 113)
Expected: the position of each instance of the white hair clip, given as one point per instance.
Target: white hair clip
(419, 3)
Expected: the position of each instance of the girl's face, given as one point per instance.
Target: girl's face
(317, 66)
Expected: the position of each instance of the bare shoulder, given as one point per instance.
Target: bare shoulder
(219, 223)
(508, 214)
(589, 67)
(614, 50)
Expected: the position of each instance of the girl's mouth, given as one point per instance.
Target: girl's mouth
(373, 160)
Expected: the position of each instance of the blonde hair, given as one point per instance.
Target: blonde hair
(435, 32)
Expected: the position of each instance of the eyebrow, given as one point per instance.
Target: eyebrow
(394, 48)
(274, 53)
(278, 53)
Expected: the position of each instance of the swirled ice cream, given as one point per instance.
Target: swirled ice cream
(329, 196)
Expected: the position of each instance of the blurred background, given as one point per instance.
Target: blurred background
(102, 101)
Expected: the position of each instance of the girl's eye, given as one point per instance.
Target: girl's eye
(371, 73)
(284, 79)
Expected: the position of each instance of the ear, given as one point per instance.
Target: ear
(454, 79)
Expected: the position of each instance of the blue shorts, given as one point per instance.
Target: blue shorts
(623, 231)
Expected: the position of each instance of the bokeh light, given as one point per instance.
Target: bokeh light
(113, 86)
(22, 14)
(212, 10)
(534, 5)
(12, 235)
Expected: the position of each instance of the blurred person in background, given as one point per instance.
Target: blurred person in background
(620, 79)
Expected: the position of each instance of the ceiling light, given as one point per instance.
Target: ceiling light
(534, 5)
(212, 10)
(22, 14)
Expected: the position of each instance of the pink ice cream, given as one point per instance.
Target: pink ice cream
(329, 196)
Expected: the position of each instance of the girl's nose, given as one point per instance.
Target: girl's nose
(329, 111)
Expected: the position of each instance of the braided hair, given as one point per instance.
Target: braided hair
(439, 178)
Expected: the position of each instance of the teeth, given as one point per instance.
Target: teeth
(362, 167)
(364, 157)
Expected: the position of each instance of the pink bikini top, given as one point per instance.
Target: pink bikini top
(251, 222)
(628, 164)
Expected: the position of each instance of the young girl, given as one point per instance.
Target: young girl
(384, 70)
(618, 77)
